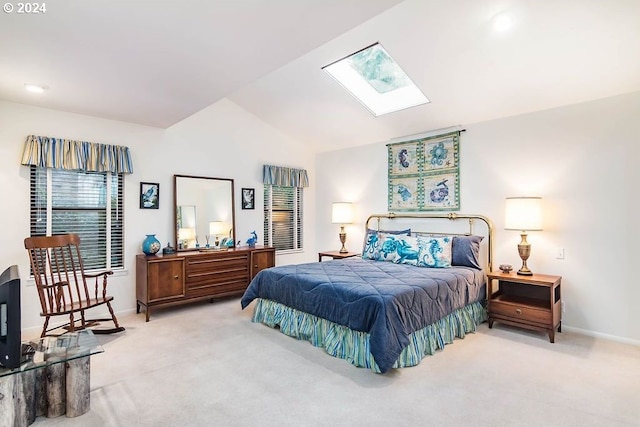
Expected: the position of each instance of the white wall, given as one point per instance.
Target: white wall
(584, 160)
(221, 141)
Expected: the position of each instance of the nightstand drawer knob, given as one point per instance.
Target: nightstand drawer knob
(518, 311)
(176, 277)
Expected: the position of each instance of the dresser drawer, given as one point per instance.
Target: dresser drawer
(223, 269)
(515, 311)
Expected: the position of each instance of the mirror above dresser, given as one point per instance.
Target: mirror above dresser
(204, 212)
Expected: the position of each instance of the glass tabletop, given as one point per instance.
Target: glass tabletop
(51, 350)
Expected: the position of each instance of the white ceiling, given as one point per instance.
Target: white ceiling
(157, 62)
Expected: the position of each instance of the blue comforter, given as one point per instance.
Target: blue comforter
(386, 300)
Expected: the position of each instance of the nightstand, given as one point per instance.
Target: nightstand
(336, 255)
(531, 302)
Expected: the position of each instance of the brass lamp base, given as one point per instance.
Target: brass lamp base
(343, 239)
(524, 250)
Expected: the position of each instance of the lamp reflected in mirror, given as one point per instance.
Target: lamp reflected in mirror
(216, 229)
(185, 236)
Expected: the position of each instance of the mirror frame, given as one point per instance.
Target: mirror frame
(176, 177)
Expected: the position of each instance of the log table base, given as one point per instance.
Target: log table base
(59, 385)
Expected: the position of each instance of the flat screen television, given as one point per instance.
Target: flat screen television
(10, 331)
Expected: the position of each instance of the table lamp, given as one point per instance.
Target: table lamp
(524, 214)
(217, 228)
(185, 234)
(342, 213)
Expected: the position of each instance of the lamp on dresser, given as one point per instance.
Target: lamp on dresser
(216, 229)
(185, 235)
(342, 213)
(523, 214)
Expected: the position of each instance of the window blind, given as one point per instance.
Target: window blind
(283, 217)
(89, 204)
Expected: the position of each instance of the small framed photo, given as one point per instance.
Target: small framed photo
(149, 195)
(248, 198)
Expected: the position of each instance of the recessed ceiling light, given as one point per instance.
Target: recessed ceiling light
(34, 88)
(502, 21)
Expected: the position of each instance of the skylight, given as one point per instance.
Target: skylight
(376, 80)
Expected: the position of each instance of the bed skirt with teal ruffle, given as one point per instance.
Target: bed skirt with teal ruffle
(353, 346)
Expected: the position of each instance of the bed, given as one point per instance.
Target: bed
(411, 293)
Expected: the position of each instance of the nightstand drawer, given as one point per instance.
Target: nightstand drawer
(519, 312)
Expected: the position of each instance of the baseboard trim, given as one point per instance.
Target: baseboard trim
(607, 337)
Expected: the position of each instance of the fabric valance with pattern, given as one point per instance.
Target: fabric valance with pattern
(284, 176)
(56, 153)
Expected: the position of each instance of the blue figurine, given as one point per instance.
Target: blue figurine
(251, 241)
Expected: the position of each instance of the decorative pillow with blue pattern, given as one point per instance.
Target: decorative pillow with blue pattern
(407, 250)
(374, 244)
(434, 252)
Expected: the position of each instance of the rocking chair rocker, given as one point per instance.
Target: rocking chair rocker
(62, 283)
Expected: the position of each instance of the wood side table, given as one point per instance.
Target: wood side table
(336, 255)
(531, 302)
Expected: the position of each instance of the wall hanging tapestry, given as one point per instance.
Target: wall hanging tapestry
(424, 174)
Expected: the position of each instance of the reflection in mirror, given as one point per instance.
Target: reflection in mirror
(186, 223)
(204, 212)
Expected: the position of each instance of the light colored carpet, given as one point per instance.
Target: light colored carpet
(207, 364)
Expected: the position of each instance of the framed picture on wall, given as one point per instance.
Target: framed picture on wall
(248, 198)
(149, 195)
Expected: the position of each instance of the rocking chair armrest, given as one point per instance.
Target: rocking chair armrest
(103, 273)
(54, 285)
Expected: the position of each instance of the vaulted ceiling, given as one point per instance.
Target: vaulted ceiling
(157, 62)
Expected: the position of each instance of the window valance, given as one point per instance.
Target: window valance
(56, 153)
(284, 176)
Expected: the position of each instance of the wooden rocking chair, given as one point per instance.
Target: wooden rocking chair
(62, 283)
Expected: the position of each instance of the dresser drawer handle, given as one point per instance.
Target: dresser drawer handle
(518, 311)
(176, 277)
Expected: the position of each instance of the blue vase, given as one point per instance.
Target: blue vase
(150, 245)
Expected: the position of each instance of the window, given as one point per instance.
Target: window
(376, 80)
(87, 203)
(283, 217)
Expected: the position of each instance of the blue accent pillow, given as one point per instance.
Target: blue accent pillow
(435, 252)
(466, 251)
(374, 241)
(407, 250)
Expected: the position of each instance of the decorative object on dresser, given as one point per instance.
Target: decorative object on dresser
(150, 245)
(531, 302)
(149, 195)
(62, 284)
(523, 214)
(253, 239)
(192, 276)
(342, 213)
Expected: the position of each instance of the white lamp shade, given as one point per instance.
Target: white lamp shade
(523, 213)
(342, 213)
(186, 233)
(216, 228)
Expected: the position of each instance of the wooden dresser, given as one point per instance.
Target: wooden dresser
(189, 276)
